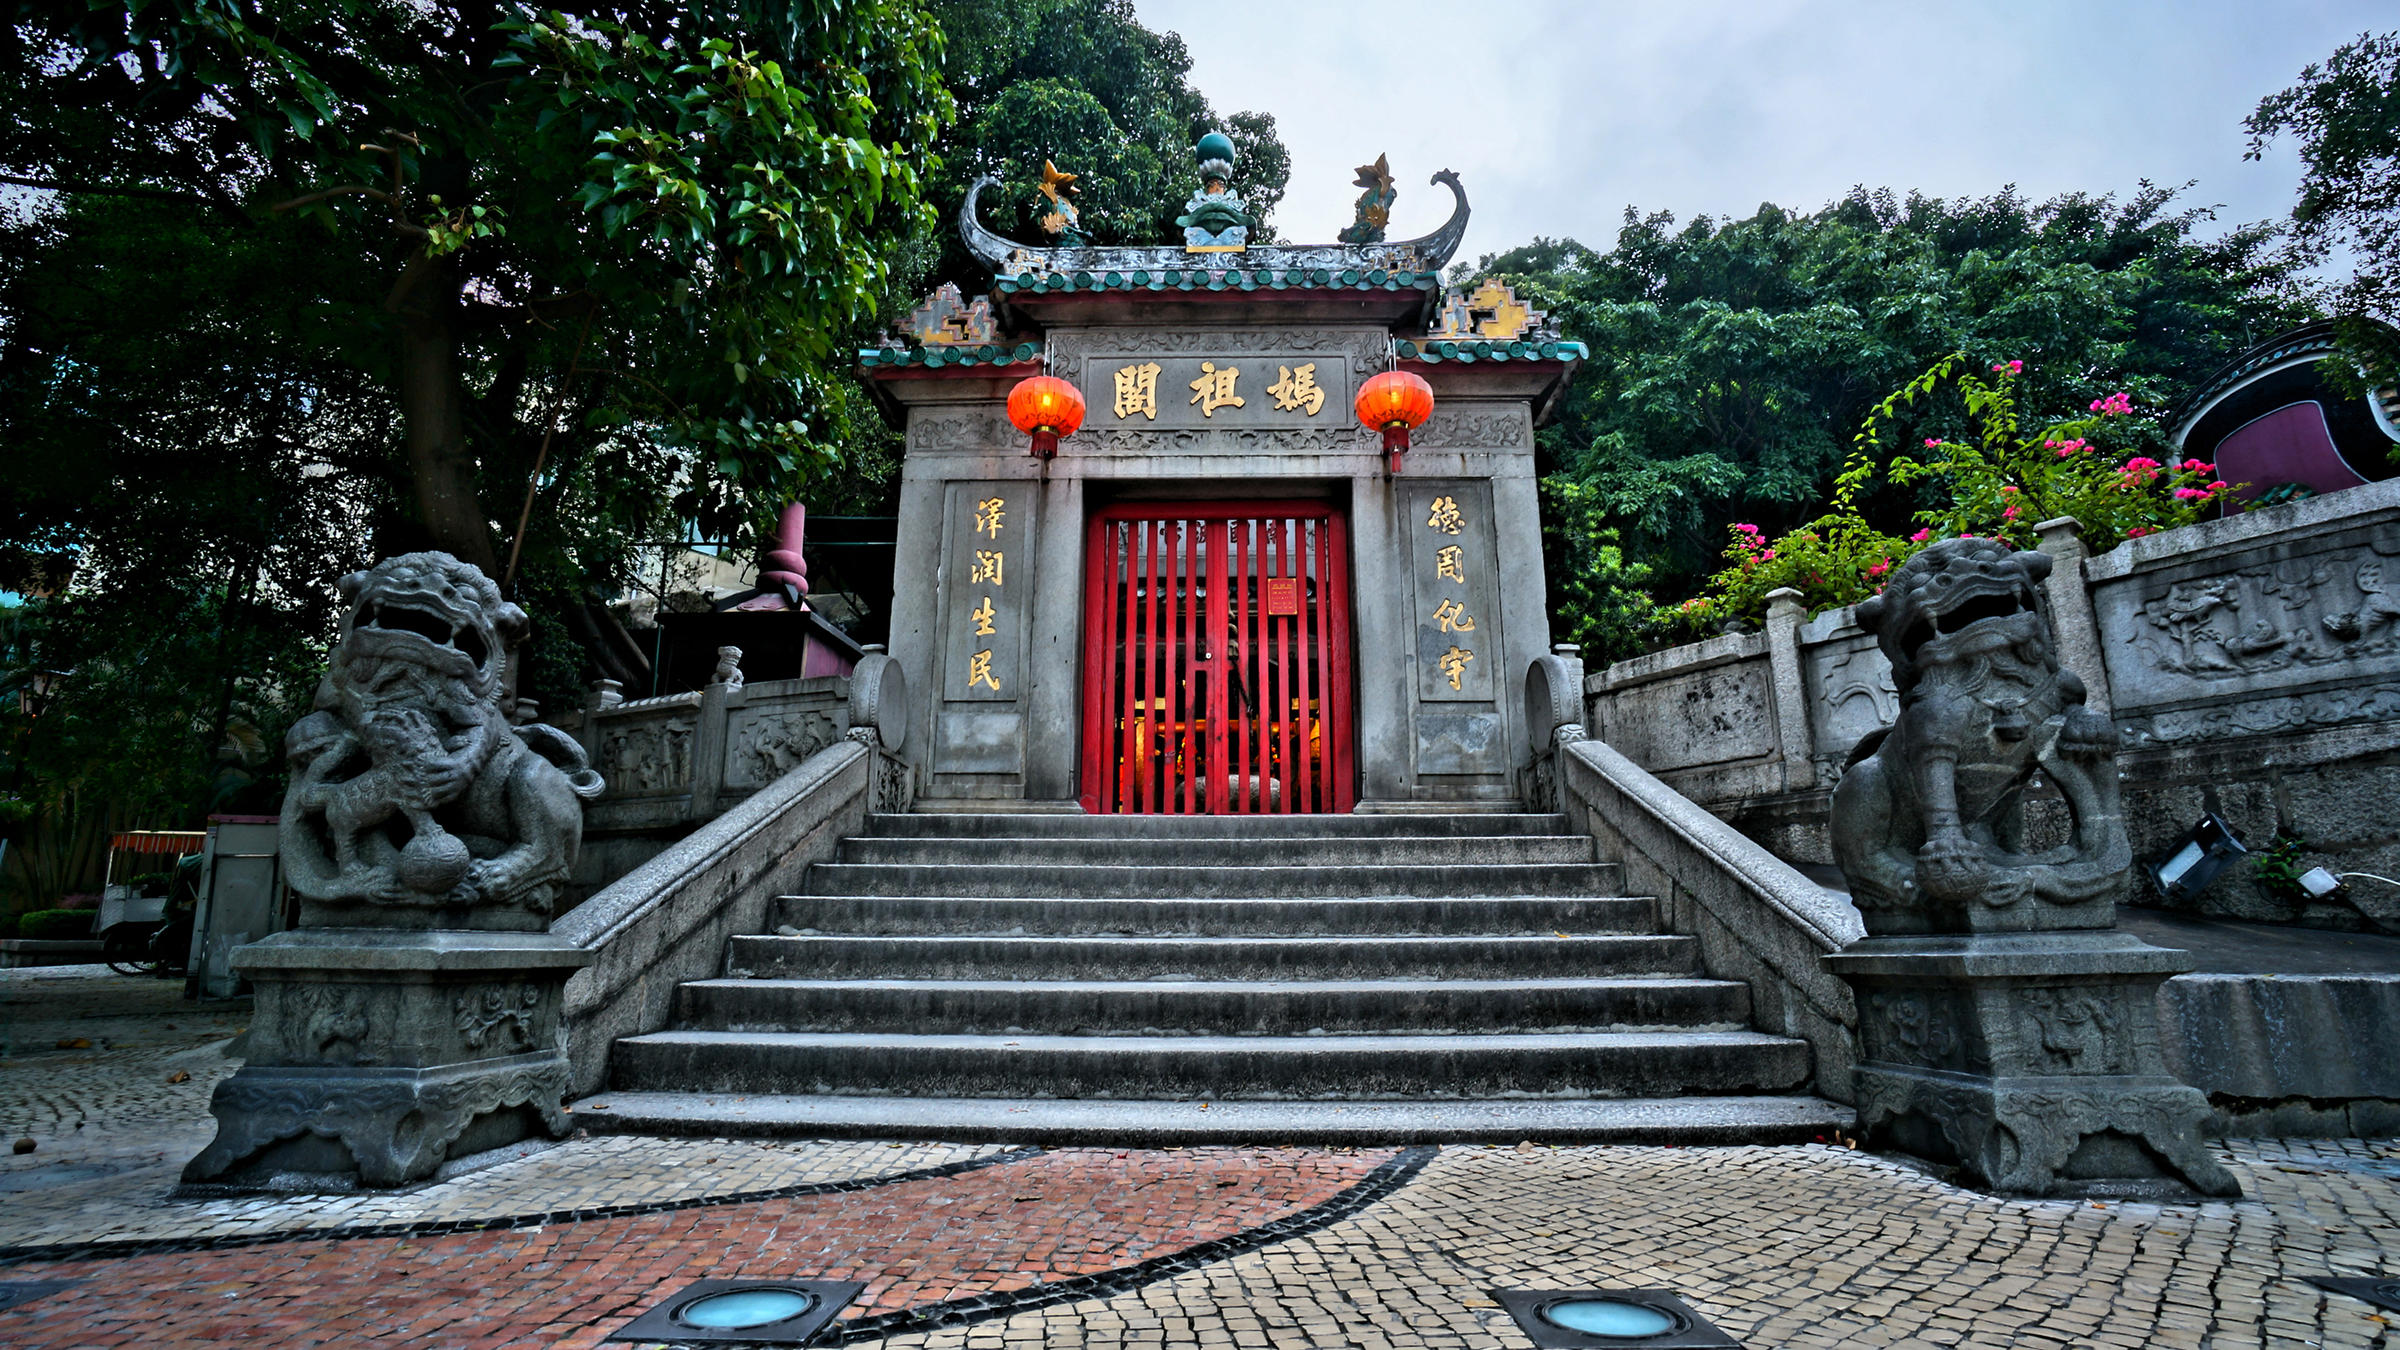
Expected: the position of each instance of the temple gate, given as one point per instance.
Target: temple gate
(1218, 597)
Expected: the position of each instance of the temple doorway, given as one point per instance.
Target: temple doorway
(1216, 672)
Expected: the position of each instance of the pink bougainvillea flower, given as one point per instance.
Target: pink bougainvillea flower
(1920, 536)
(2016, 367)
(2138, 531)
(1879, 569)
(2011, 513)
(2066, 452)
(2190, 494)
(2217, 487)
(1933, 442)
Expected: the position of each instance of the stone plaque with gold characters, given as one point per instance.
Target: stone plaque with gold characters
(988, 583)
(1245, 390)
(1455, 575)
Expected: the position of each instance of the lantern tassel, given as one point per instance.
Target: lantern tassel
(1045, 444)
(1395, 440)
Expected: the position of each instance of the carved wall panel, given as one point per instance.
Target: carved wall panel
(1716, 715)
(1850, 692)
(648, 757)
(2223, 644)
(763, 744)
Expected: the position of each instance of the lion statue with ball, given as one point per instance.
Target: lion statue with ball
(416, 800)
(1929, 820)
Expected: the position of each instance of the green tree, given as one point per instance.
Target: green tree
(640, 223)
(1732, 360)
(1083, 84)
(2345, 115)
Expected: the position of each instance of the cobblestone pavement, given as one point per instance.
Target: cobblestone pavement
(1221, 1247)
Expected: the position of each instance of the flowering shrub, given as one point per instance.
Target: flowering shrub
(1999, 485)
(2002, 483)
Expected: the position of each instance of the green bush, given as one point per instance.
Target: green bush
(1998, 484)
(55, 925)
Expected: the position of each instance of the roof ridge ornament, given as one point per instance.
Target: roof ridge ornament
(1427, 254)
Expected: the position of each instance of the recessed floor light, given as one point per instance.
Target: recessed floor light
(16, 1293)
(742, 1312)
(1579, 1319)
(2381, 1290)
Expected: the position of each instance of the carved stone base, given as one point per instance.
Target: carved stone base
(2122, 1136)
(2030, 1061)
(279, 1127)
(377, 1055)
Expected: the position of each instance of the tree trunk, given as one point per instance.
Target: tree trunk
(433, 412)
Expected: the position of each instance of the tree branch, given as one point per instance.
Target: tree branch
(106, 189)
(345, 190)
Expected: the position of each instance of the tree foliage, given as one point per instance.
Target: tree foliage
(1083, 84)
(1732, 360)
(2345, 115)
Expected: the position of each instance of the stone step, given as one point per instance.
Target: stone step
(1686, 1121)
(1027, 915)
(1314, 851)
(1578, 1064)
(1288, 880)
(1019, 825)
(1218, 1007)
(1232, 958)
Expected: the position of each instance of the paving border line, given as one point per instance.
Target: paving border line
(1387, 1177)
(115, 1248)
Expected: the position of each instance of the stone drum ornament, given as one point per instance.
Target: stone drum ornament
(2007, 1028)
(413, 1015)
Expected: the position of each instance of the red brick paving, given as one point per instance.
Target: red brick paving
(1064, 1213)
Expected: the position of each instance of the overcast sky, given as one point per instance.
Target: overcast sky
(1557, 114)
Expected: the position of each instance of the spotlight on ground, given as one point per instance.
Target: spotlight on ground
(742, 1312)
(1580, 1319)
(2381, 1290)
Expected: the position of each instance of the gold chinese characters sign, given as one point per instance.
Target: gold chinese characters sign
(1449, 534)
(986, 591)
(1249, 391)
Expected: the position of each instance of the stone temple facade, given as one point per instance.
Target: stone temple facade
(1217, 597)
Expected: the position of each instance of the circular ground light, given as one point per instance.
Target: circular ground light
(1612, 1317)
(739, 1308)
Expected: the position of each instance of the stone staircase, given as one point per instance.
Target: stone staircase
(1064, 978)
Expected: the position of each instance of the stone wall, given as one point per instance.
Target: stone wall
(2252, 663)
(675, 762)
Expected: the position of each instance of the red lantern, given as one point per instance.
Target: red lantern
(1046, 408)
(1395, 403)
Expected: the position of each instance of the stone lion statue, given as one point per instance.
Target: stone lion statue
(411, 793)
(1929, 820)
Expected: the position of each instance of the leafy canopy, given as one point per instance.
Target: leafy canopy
(1732, 360)
(2345, 115)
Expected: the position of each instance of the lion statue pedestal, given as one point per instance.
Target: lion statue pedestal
(2006, 1026)
(414, 1015)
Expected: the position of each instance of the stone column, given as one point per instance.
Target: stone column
(413, 1017)
(2071, 614)
(1784, 615)
(2007, 1028)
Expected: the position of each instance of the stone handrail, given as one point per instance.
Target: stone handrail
(1758, 919)
(669, 919)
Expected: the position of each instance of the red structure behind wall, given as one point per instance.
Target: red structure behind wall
(1216, 672)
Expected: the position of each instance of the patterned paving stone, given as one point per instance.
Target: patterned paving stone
(993, 1229)
(1787, 1247)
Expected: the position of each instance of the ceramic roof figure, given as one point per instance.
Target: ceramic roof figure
(1213, 219)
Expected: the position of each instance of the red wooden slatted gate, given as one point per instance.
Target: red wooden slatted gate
(1216, 672)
